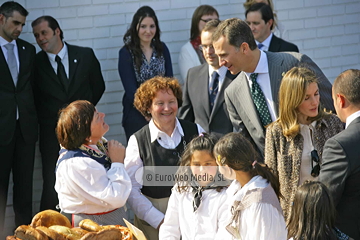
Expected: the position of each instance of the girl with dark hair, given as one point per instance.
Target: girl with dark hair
(190, 54)
(142, 57)
(313, 214)
(253, 196)
(197, 201)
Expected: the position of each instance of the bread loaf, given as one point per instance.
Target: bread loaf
(12, 238)
(51, 234)
(90, 225)
(126, 234)
(65, 232)
(49, 218)
(105, 234)
(25, 232)
(78, 231)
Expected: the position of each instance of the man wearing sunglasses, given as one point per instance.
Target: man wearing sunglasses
(340, 169)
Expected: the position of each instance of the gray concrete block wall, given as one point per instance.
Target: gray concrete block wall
(326, 30)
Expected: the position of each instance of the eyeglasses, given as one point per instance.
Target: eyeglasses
(206, 47)
(315, 158)
(207, 20)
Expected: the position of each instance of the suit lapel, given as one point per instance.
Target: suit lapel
(48, 69)
(23, 54)
(243, 92)
(6, 77)
(220, 95)
(274, 44)
(203, 86)
(275, 61)
(74, 60)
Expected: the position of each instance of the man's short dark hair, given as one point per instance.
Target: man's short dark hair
(53, 24)
(348, 84)
(211, 25)
(7, 9)
(236, 31)
(265, 11)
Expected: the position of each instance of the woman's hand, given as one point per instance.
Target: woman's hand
(116, 151)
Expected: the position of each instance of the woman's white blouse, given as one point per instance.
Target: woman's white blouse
(181, 220)
(260, 221)
(305, 167)
(84, 186)
(188, 58)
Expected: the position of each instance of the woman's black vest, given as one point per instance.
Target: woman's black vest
(153, 154)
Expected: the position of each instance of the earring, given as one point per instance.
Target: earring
(90, 140)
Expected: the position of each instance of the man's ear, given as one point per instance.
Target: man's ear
(271, 22)
(244, 47)
(57, 31)
(341, 100)
(2, 18)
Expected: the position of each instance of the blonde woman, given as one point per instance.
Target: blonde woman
(294, 142)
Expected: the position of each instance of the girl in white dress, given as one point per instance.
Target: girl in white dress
(196, 203)
(254, 210)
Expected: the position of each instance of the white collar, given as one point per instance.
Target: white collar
(311, 125)
(351, 118)
(221, 71)
(61, 54)
(4, 42)
(262, 66)
(155, 131)
(237, 191)
(267, 41)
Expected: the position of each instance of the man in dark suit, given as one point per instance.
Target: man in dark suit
(260, 18)
(340, 169)
(197, 98)
(64, 73)
(253, 103)
(18, 128)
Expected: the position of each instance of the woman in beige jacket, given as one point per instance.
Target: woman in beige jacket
(294, 142)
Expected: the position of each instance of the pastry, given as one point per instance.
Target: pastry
(52, 234)
(48, 218)
(65, 232)
(89, 225)
(105, 234)
(25, 232)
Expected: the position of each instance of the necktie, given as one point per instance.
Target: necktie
(61, 73)
(259, 101)
(197, 190)
(214, 88)
(12, 62)
(260, 45)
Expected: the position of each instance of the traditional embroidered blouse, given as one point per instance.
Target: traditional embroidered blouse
(85, 186)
